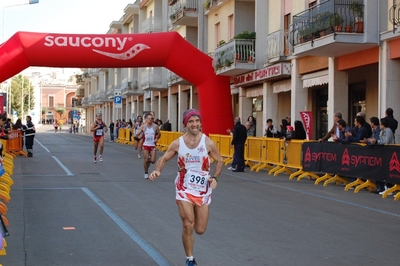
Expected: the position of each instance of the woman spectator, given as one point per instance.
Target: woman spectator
(251, 132)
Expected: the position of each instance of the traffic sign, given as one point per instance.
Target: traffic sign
(118, 100)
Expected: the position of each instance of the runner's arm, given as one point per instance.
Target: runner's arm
(168, 155)
(216, 155)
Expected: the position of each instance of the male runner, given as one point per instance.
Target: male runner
(193, 184)
(98, 128)
(151, 134)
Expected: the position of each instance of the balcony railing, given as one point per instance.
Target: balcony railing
(151, 24)
(85, 101)
(394, 14)
(277, 45)
(332, 16)
(110, 91)
(152, 79)
(80, 92)
(184, 12)
(130, 87)
(234, 51)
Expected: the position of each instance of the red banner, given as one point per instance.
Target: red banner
(306, 116)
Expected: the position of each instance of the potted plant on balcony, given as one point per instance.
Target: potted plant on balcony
(207, 4)
(221, 42)
(337, 22)
(358, 10)
(349, 27)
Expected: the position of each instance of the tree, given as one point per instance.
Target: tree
(60, 111)
(22, 95)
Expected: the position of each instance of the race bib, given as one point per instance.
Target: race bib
(150, 138)
(196, 180)
(99, 132)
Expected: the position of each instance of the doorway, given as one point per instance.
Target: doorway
(321, 116)
(357, 93)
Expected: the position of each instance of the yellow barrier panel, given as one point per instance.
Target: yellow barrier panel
(291, 157)
(167, 137)
(226, 149)
(270, 152)
(121, 135)
(253, 152)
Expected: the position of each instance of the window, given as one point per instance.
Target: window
(51, 101)
(231, 27)
(217, 33)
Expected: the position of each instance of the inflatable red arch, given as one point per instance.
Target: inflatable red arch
(167, 49)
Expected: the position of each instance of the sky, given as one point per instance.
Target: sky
(60, 16)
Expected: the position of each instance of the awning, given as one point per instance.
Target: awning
(315, 79)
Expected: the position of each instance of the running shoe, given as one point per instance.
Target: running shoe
(95, 160)
(146, 176)
(190, 262)
(101, 158)
(139, 156)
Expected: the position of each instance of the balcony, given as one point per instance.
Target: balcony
(152, 79)
(174, 79)
(335, 28)
(93, 100)
(80, 92)
(277, 46)
(150, 25)
(210, 5)
(110, 92)
(235, 57)
(101, 97)
(184, 12)
(130, 87)
(85, 102)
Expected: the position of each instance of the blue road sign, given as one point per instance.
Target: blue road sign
(118, 100)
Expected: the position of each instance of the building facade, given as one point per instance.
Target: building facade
(282, 57)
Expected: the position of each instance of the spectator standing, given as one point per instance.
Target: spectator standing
(361, 131)
(238, 142)
(334, 130)
(252, 126)
(111, 127)
(167, 126)
(392, 122)
(29, 135)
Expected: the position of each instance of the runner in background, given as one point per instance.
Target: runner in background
(98, 128)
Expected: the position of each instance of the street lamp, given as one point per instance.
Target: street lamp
(4, 9)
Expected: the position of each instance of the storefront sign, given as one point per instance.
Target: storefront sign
(274, 71)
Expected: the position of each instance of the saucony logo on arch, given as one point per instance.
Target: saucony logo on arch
(98, 42)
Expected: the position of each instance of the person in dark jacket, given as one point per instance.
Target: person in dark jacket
(392, 122)
(167, 126)
(30, 132)
(298, 133)
(238, 141)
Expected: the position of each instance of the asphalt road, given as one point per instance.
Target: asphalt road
(67, 210)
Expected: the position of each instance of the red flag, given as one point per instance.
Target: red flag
(306, 116)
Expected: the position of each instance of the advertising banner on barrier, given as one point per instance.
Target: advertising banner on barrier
(306, 116)
(378, 163)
